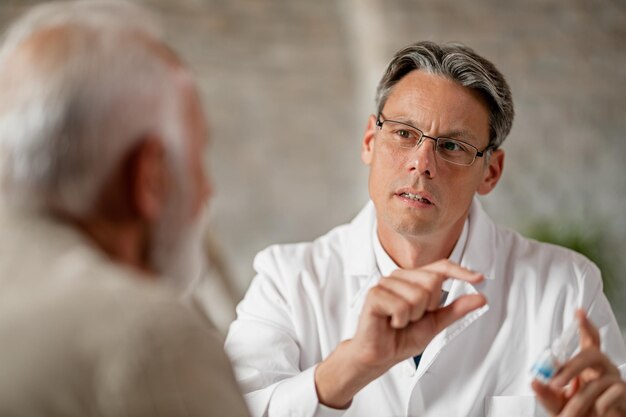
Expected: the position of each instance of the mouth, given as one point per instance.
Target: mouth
(416, 197)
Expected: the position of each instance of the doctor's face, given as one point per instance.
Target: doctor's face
(415, 191)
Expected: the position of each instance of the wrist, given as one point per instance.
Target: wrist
(340, 376)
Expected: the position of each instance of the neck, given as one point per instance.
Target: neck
(411, 252)
(123, 242)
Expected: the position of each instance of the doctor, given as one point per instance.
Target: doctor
(365, 321)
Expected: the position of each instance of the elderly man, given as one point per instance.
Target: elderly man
(101, 137)
(422, 306)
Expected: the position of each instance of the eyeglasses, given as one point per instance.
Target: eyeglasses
(406, 136)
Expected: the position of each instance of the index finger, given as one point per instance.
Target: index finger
(588, 358)
(589, 335)
(453, 270)
(440, 271)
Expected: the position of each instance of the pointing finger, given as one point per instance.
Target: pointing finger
(589, 335)
(588, 358)
(434, 274)
(450, 269)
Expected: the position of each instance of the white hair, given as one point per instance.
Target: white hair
(70, 111)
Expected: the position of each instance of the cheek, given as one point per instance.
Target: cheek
(387, 160)
(387, 171)
(379, 170)
(199, 189)
(463, 184)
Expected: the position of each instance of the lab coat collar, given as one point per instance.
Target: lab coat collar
(360, 263)
(360, 260)
(481, 244)
(478, 256)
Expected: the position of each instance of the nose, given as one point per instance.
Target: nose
(423, 158)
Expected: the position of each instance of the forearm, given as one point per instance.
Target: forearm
(341, 376)
(291, 396)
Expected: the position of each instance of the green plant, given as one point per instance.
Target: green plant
(588, 240)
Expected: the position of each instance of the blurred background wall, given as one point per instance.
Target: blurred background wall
(288, 86)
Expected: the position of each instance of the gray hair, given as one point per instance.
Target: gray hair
(70, 111)
(462, 65)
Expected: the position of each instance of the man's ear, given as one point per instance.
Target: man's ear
(367, 146)
(148, 179)
(492, 173)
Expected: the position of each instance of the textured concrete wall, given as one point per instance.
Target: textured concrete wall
(288, 85)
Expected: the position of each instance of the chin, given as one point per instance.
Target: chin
(415, 229)
(408, 225)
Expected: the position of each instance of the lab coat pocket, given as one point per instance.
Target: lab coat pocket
(513, 406)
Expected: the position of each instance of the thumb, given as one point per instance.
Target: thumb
(552, 401)
(447, 315)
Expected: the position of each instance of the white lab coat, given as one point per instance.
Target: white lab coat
(307, 298)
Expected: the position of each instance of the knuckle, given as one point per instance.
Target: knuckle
(384, 281)
(418, 295)
(415, 300)
(375, 293)
(401, 307)
(434, 280)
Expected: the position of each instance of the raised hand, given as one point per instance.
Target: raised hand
(400, 316)
(588, 385)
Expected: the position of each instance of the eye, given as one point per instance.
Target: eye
(405, 133)
(452, 146)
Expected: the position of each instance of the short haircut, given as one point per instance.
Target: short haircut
(71, 110)
(462, 65)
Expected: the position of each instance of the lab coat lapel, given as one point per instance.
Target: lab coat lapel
(362, 273)
(478, 256)
(358, 249)
(451, 332)
(360, 270)
(480, 250)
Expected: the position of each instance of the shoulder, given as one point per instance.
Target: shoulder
(545, 260)
(120, 309)
(161, 350)
(311, 258)
(541, 252)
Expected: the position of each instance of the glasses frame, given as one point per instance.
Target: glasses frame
(479, 154)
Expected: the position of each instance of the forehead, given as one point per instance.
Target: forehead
(433, 101)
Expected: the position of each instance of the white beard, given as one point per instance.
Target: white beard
(187, 261)
(177, 250)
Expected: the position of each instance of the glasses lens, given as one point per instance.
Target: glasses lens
(400, 134)
(456, 151)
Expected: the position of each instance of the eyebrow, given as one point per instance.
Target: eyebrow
(464, 135)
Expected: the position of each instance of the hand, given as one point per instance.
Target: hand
(400, 316)
(595, 389)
